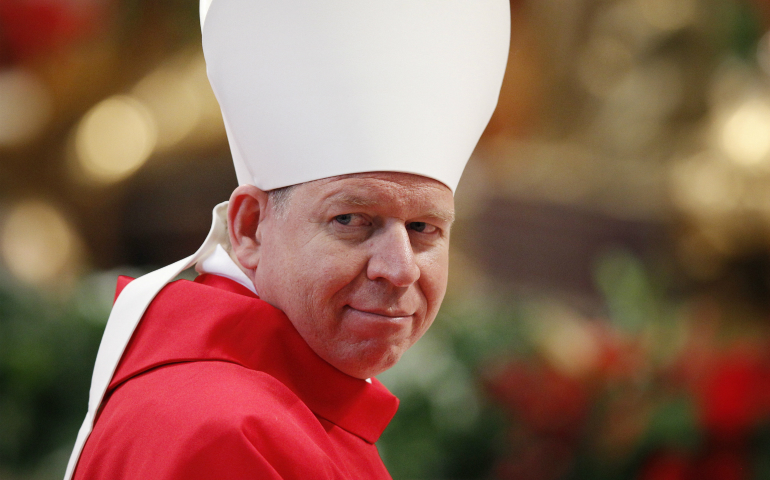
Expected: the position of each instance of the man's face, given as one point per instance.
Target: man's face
(359, 265)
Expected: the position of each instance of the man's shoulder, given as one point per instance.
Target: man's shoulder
(210, 391)
(193, 419)
(219, 402)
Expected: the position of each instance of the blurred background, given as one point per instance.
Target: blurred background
(608, 314)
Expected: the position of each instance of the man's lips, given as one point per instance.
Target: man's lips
(379, 323)
(382, 312)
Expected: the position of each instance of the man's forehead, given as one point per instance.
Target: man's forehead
(401, 178)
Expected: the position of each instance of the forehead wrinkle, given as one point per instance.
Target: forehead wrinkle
(355, 201)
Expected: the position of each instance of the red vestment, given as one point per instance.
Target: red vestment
(217, 384)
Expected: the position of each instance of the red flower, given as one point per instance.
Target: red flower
(543, 400)
(732, 394)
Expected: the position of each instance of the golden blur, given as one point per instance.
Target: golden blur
(38, 244)
(115, 138)
(120, 133)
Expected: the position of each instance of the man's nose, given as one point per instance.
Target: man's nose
(392, 257)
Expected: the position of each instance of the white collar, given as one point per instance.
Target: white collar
(220, 263)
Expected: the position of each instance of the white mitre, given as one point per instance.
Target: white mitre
(312, 89)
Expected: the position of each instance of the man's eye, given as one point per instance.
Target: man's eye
(344, 219)
(422, 227)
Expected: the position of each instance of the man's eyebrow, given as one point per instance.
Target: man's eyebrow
(447, 216)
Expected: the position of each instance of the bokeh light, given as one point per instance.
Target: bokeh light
(705, 185)
(568, 343)
(38, 244)
(745, 135)
(115, 138)
(174, 101)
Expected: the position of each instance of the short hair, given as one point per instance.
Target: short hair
(279, 199)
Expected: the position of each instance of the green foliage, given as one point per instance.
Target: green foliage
(420, 444)
(674, 425)
(746, 30)
(628, 292)
(47, 348)
(445, 427)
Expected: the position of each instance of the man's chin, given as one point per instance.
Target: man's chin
(370, 362)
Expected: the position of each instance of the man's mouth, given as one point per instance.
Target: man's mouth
(383, 312)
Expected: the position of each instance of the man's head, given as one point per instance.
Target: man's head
(357, 262)
(317, 94)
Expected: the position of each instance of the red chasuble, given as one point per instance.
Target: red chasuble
(217, 384)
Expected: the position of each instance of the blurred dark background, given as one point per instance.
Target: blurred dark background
(608, 313)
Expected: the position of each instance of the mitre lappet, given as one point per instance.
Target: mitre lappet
(314, 89)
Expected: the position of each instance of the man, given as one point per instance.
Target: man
(350, 123)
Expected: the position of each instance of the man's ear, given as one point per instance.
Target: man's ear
(246, 210)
